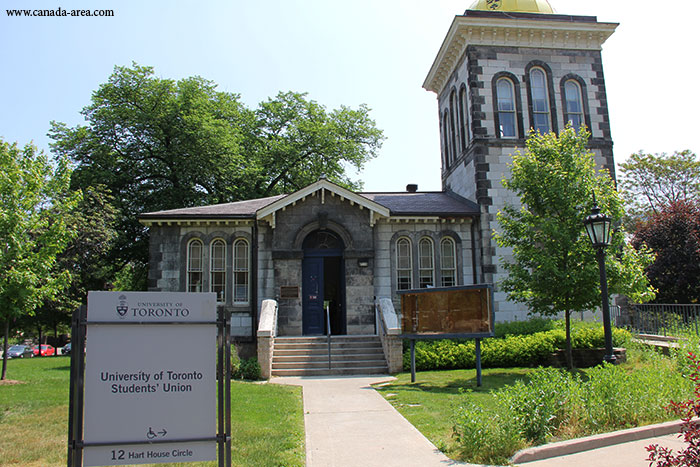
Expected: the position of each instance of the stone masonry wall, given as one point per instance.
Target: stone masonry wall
(167, 266)
(386, 234)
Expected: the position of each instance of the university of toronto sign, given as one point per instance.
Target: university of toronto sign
(150, 378)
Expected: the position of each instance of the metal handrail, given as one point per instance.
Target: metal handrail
(328, 331)
(379, 320)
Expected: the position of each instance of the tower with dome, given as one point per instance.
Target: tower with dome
(506, 68)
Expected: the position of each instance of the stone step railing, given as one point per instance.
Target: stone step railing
(389, 330)
(267, 331)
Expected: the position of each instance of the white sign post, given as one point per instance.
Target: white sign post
(150, 378)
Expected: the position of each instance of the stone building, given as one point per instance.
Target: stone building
(321, 243)
(505, 67)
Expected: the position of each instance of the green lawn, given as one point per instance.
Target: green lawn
(430, 402)
(267, 420)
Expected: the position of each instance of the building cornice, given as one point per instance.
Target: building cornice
(196, 222)
(512, 32)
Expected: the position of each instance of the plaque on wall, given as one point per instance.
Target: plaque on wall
(289, 291)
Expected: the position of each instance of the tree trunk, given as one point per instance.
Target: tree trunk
(39, 327)
(569, 353)
(4, 349)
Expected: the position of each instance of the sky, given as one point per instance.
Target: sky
(376, 52)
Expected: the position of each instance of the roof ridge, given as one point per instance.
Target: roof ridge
(397, 192)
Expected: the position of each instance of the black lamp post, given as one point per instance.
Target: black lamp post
(598, 229)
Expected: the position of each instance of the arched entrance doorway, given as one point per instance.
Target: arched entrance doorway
(323, 281)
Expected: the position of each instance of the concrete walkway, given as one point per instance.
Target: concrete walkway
(629, 454)
(349, 424)
(624, 448)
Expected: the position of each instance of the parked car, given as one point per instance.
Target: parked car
(66, 349)
(46, 350)
(20, 351)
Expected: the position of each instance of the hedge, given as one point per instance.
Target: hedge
(512, 350)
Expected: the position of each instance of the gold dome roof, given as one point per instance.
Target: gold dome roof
(522, 6)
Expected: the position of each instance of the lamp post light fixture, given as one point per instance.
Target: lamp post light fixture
(598, 229)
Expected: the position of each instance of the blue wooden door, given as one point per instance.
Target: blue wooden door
(312, 301)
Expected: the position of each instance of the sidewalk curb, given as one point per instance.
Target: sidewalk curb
(572, 446)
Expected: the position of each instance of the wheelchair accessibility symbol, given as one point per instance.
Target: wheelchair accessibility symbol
(153, 435)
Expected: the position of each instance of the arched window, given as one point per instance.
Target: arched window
(505, 97)
(446, 139)
(426, 263)
(217, 269)
(448, 262)
(195, 258)
(463, 118)
(453, 130)
(322, 240)
(540, 101)
(404, 264)
(241, 271)
(573, 103)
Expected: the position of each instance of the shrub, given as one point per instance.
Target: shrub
(514, 351)
(687, 410)
(235, 361)
(616, 398)
(249, 369)
(485, 436)
(591, 336)
(558, 404)
(520, 328)
(510, 351)
(539, 408)
(688, 343)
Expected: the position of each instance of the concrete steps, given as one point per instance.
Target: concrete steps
(308, 356)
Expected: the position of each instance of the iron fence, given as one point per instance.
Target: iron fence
(658, 319)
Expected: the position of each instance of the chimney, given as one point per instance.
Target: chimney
(411, 187)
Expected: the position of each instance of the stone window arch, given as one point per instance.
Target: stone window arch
(448, 262)
(323, 240)
(217, 269)
(574, 101)
(507, 107)
(454, 127)
(446, 139)
(426, 263)
(404, 264)
(463, 117)
(195, 265)
(541, 106)
(241, 271)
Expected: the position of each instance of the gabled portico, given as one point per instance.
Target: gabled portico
(321, 247)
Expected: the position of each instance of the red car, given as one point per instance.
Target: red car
(46, 350)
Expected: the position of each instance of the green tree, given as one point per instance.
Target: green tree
(83, 257)
(554, 269)
(161, 144)
(35, 205)
(296, 142)
(651, 181)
